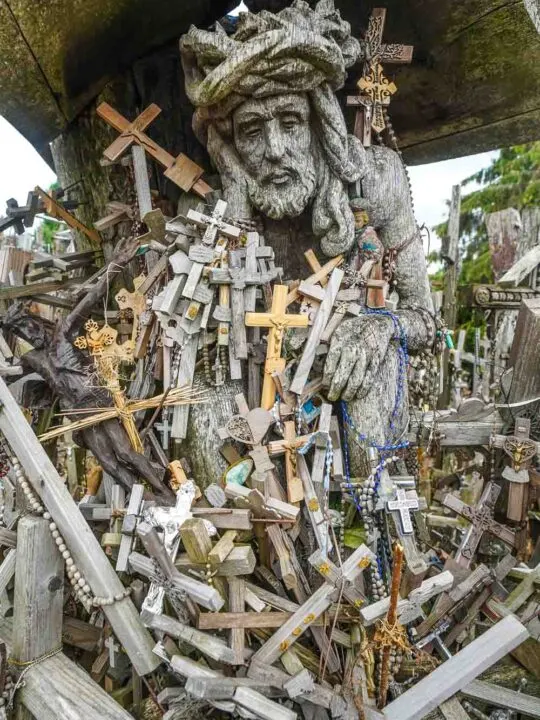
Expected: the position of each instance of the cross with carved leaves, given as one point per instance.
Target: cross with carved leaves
(375, 89)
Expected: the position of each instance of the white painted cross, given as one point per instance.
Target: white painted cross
(214, 223)
(113, 648)
(403, 504)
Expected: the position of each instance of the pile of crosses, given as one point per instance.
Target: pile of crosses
(284, 589)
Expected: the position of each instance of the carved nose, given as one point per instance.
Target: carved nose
(274, 143)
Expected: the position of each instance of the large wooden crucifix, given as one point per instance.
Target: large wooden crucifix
(375, 89)
(277, 320)
(181, 170)
(481, 519)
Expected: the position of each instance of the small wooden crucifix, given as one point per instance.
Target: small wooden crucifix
(521, 450)
(481, 519)
(375, 89)
(277, 320)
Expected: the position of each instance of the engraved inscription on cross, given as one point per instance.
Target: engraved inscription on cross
(375, 89)
(481, 519)
(403, 504)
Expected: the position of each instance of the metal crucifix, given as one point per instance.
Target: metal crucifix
(375, 88)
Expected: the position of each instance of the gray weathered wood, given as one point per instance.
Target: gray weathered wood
(39, 584)
(319, 323)
(452, 709)
(82, 543)
(503, 697)
(409, 608)
(445, 681)
(205, 643)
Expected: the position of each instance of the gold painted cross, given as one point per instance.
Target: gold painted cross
(278, 321)
(375, 89)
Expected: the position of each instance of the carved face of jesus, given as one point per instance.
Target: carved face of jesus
(273, 138)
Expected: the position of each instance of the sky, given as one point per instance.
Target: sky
(21, 169)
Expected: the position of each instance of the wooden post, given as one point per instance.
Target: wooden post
(38, 607)
(524, 353)
(449, 311)
(80, 539)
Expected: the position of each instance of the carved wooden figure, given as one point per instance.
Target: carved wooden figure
(278, 321)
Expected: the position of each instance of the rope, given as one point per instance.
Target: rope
(26, 666)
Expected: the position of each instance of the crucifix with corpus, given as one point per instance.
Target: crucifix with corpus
(277, 320)
(375, 88)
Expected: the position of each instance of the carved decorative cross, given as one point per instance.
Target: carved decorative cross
(481, 519)
(376, 89)
(277, 320)
(403, 504)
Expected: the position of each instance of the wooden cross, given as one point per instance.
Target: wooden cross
(481, 519)
(181, 170)
(129, 526)
(314, 607)
(164, 429)
(375, 88)
(409, 608)
(113, 648)
(323, 316)
(214, 223)
(277, 320)
(521, 450)
(403, 504)
(54, 209)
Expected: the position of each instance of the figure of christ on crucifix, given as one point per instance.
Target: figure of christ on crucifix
(266, 109)
(67, 370)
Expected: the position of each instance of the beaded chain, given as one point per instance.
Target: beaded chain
(365, 496)
(81, 588)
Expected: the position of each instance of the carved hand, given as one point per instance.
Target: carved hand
(357, 349)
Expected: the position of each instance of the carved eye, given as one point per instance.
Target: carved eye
(252, 132)
(289, 122)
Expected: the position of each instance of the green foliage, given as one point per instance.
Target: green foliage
(511, 180)
(48, 228)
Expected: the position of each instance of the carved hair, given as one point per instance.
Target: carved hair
(300, 50)
(332, 218)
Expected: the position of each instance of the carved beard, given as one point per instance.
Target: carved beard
(289, 199)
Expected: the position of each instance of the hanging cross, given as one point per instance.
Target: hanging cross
(403, 504)
(277, 320)
(481, 519)
(376, 89)
(181, 170)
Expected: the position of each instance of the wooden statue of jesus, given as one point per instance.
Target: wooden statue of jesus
(266, 109)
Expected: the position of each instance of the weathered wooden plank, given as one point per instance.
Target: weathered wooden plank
(446, 680)
(39, 584)
(80, 539)
(503, 697)
(319, 323)
(452, 709)
(209, 645)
